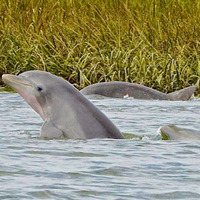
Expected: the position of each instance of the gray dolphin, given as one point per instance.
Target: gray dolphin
(65, 111)
(118, 89)
(172, 132)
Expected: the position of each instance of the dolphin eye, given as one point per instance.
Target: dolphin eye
(39, 88)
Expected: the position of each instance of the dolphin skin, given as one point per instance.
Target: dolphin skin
(65, 111)
(117, 89)
(172, 132)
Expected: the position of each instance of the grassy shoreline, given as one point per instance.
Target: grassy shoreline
(156, 43)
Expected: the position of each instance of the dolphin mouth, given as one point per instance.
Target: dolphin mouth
(8, 79)
(24, 88)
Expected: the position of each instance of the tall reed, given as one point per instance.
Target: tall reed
(155, 43)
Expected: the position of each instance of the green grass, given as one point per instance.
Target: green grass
(155, 43)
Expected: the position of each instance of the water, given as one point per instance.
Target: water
(32, 168)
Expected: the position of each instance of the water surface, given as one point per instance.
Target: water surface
(33, 168)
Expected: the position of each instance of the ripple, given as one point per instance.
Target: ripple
(142, 167)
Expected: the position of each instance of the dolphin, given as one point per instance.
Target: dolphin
(172, 132)
(65, 111)
(118, 89)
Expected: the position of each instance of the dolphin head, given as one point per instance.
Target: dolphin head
(36, 88)
(65, 111)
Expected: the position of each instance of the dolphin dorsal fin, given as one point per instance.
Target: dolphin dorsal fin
(182, 95)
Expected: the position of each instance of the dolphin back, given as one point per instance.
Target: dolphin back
(172, 132)
(182, 95)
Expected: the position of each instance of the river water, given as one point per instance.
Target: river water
(103, 169)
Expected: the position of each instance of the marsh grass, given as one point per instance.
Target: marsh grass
(152, 42)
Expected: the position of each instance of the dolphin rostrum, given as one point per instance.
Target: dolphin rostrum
(65, 111)
(118, 89)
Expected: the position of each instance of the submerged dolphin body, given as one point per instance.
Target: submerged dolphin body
(65, 111)
(172, 132)
(119, 89)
